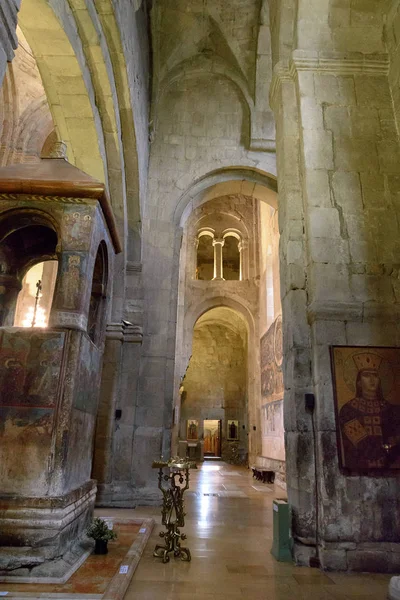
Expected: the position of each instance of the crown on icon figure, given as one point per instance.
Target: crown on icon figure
(367, 360)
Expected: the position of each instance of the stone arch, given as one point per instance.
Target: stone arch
(202, 65)
(82, 64)
(34, 127)
(68, 88)
(244, 180)
(198, 310)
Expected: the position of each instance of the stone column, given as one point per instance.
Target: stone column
(244, 263)
(154, 398)
(195, 247)
(299, 443)
(113, 456)
(218, 259)
(339, 224)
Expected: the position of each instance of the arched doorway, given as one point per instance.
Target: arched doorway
(214, 415)
(236, 209)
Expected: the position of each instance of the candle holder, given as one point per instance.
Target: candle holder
(172, 512)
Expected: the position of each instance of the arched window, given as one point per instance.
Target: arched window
(205, 257)
(231, 258)
(98, 294)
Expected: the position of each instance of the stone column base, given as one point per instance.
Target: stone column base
(369, 557)
(394, 588)
(37, 533)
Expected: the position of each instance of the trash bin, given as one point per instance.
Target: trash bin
(282, 540)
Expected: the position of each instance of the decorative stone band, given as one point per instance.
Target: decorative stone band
(27, 198)
(351, 63)
(125, 332)
(262, 145)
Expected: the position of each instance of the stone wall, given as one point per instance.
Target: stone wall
(339, 279)
(25, 118)
(392, 37)
(201, 124)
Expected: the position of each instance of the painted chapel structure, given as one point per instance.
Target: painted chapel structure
(200, 255)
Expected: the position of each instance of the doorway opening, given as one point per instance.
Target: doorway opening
(212, 438)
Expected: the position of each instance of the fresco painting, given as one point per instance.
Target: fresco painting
(70, 290)
(367, 406)
(77, 225)
(30, 366)
(271, 358)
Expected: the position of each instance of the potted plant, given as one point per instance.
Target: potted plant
(99, 531)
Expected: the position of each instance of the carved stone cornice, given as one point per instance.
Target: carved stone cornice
(337, 63)
(349, 63)
(125, 332)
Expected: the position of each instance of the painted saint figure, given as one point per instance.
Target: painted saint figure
(370, 426)
(233, 430)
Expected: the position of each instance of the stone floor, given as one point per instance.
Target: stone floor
(230, 537)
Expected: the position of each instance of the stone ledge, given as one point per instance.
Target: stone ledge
(372, 557)
(348, 63)
(44, 532)
(125, 332)
(45, 502)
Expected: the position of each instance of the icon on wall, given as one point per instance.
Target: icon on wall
(192, 429)
(233, 430)
(366, 383)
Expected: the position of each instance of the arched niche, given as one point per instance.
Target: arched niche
(205, 255)
(27, 238)
(98, 295)
(36, 296)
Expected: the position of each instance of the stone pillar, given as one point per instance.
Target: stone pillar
(154, 398)
(339, 236)
(218, 259)
(296, 332)
(113, 456)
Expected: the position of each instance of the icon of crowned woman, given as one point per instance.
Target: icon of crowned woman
(369, 424)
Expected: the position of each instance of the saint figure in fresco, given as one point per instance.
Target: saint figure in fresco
(370, 426)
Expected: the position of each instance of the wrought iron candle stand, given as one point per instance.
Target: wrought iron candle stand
(173, 515)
